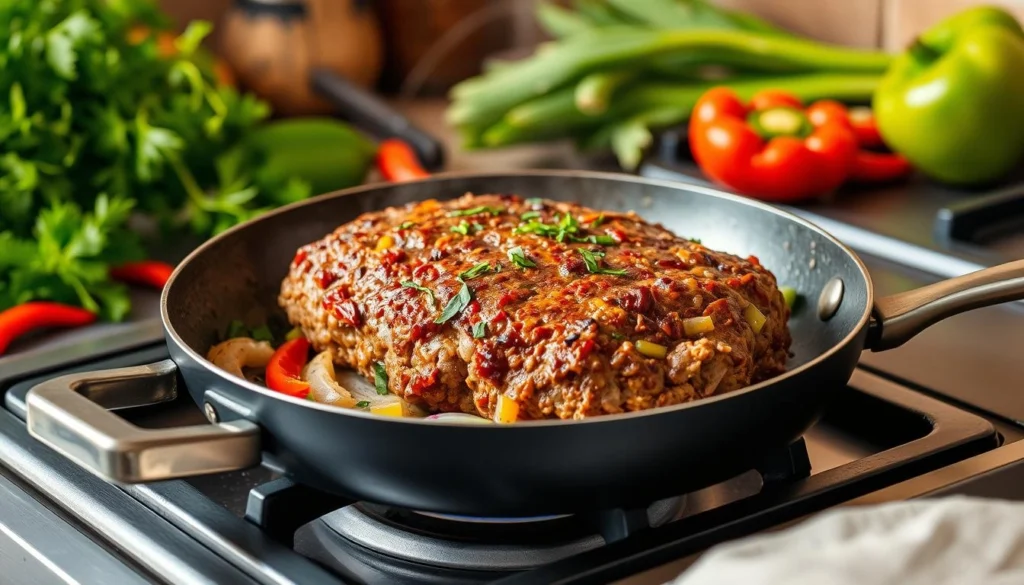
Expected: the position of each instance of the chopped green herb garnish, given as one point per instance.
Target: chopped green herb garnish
(479, 330)
(475, 210)
(363, 404)
(518, 257)
(235, 329)
(465, 228)
(455, 306)
(695, 240)
(566, 227)
(380, 378)
(262, 333)
(530, 215)
(594, 267)
(597, 222)
(406, 225)
(479, 269)
(617, 335)
(535, 201)
(430, 293)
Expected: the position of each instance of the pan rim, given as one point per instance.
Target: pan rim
(172, 334)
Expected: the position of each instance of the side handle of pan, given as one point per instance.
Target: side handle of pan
(70, 415)
(902, 316)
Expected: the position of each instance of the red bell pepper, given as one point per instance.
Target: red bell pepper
(868, 166)
(862, 120)
(770, 149)
(398, 163)
(284, 371)
(21, 319)
(149, 273)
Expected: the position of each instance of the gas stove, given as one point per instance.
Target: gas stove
(944, 414)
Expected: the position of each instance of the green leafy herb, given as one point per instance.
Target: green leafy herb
(455, 306)
(518, 257)
(530, 215)
(406, 225)
(422, 289)
(465, 228)
(594, 266)
(98, 124)
(363, 404)
(479, 330)
(597, 222)
(617, 335)
(475, 211)
(380, 378)
(566, 227)
(478, 270)
(695, 240)
(236, 329)
(263, 333)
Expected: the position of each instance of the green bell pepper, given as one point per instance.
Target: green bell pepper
(953, 104)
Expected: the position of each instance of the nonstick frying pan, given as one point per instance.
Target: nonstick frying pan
(527, 468)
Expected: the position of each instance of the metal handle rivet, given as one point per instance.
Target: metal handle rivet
(830, 299)
(211, 412)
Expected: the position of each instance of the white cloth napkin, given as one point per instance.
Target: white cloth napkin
(943, 541)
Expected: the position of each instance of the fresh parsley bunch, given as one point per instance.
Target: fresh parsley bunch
(100, 120)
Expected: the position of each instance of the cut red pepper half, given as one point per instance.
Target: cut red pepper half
(284, 371)
(149, 273)
(770, 149)
(869, 166)
(22, 319)
(397, 162)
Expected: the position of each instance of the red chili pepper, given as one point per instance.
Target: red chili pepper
(149, 273)
(21, 319)
(771, 149)
(285, 368)
(397, 162)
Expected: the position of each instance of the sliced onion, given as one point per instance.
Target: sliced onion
(240, 352)
(355, 392)
(460, 417)
(323, 384)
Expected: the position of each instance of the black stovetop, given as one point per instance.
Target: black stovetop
(877, 433)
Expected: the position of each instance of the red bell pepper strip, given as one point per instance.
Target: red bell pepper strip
(21, 319)
(149, 273)
(877, 167)
(284, 370)
(398, 163)
(868, 166)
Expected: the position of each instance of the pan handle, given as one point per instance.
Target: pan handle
(70, 415)
(901, 316)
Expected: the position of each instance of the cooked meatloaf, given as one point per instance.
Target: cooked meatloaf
(568, 311)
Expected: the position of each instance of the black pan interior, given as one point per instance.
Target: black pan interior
(238, 276)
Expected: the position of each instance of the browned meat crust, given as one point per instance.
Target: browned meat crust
(559, 339)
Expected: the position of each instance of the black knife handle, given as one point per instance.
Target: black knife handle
(375, 117)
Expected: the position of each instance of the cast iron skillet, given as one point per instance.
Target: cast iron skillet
(497, 470)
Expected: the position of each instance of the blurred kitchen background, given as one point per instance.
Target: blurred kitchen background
(419, 48)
